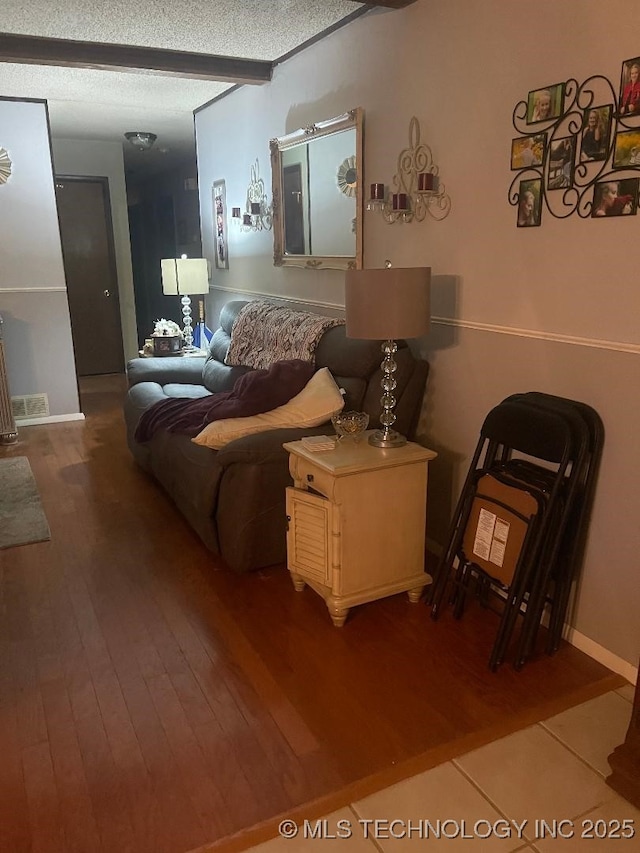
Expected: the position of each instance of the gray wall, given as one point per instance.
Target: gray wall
(33, 293)
(553, 308)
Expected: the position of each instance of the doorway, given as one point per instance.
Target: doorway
(153, 237)
(293, 213)
(86, 233)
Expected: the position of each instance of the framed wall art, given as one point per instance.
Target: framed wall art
(220, 225)
(561, 160)
(527, 151)
(627, 149)
(545, 104)
(629, 103)
(529, 203)
(615, 198)
(596, 129)
(588, 141)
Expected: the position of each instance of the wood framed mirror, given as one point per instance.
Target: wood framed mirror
(317, 194)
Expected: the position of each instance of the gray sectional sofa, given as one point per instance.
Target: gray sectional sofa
(234, 498)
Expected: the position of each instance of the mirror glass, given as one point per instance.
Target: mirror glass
(317, 194)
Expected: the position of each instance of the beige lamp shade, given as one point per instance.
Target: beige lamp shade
(388, 304)
(184, 276)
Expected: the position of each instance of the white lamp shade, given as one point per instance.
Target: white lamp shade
(387, 304)
(184, 276)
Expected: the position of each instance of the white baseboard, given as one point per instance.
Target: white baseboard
(602, 655)
(580, 641)
(50, 419)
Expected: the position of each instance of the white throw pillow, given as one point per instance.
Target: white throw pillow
(319, 399)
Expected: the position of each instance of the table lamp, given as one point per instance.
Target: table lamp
(185, 277)
(387, 304)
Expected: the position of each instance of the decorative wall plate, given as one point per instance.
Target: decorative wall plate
(347, 177)
(5, 166)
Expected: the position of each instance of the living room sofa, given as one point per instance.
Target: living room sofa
(234, 497)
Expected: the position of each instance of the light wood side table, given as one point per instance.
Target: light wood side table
(356, 522)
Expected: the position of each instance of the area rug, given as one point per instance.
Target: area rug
(22, 519)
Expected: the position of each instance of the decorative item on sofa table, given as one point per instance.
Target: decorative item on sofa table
(258, 215)
(166, 338)
(387, 304)
(202, 334)
(185, 277)
(418, 189)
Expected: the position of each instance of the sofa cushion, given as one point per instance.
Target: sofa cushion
(217, 376)
(314, 405)
(179, 389)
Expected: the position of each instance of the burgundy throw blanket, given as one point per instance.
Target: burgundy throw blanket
(253, 393)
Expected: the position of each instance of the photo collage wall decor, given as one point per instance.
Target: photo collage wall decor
(578, 149)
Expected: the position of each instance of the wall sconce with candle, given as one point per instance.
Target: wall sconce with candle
(418, 189)
(258, 215)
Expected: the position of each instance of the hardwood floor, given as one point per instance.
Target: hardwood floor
(151, 700)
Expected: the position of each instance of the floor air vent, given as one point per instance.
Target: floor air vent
(30, 406)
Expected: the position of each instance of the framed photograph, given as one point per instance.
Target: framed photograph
(529, 203)
(220, 225)
(527, 151)
(627, 149)
(629, 103)
(545, 104)
(594, 137)
(561, 162)
(615, 198)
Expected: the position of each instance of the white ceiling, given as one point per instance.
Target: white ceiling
(103, 105)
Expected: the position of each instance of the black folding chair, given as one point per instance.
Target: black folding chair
(588, 439)
(540, 446)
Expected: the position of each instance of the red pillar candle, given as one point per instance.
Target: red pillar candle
(377, 192)
(426, 182)
(246, 219)
(399, 201)
(255, 208)
(235, 213)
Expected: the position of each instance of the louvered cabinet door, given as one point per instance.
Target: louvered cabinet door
(309, 536)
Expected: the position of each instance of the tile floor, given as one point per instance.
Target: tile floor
(514, 794)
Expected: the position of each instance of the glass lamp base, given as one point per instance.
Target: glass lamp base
(390, 439)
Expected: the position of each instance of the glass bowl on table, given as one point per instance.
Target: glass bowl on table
(350, 424)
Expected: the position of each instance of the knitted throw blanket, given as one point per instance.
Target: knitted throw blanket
(253, 393)
(263, 333)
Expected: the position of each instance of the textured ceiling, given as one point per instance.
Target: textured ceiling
(102, 105)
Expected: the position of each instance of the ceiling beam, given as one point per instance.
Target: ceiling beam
(391, 4)
(120, 57)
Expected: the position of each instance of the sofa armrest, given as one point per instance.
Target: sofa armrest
(251, 512)
(263, 447)
(186, 371)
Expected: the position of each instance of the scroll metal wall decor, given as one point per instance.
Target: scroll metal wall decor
(578, 149)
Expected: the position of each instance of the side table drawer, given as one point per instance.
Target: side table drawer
(308, 535)
(306, 475)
